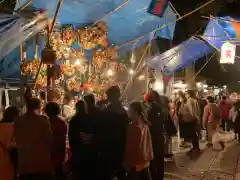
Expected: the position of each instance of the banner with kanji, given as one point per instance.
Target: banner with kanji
(158, 7)
(228, 52)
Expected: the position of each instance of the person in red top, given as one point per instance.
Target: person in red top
(59, 131)
(225, 107)
(211, 118)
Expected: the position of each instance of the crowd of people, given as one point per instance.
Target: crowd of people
(107, 141)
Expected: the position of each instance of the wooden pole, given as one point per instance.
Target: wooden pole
(50, 29)
(147, 66)
(22, 79)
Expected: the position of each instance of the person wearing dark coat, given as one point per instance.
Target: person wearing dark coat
(155, 116)
(83, 144)
(113, 137)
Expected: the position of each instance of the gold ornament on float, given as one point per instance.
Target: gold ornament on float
(72, 84)
(41, 81)
(29, 67)
(68, 36)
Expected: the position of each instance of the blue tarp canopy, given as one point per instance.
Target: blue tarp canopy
(124, 25)
(217, 32)
(181, 55)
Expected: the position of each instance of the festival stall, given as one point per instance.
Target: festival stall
(84, 46)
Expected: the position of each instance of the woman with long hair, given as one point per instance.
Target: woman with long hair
(139, 150)
(8, 153)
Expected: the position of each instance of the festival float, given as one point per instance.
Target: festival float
(79, 59)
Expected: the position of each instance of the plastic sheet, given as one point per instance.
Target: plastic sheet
(217, 32)
(181, 55)
(221, 30)
(20, 31)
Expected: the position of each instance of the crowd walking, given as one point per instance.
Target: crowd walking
(105, 141)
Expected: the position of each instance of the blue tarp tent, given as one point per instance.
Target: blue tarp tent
(181, 55)
(124, 25)
(217, 32)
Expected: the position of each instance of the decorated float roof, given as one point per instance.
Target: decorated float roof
(218, 31)
(124, 25)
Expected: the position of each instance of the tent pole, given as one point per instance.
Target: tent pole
(136, 71)
(147, 66)
(174, 9)
(22, 78)
(170, 23)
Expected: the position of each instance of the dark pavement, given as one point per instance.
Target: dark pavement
(210, 164)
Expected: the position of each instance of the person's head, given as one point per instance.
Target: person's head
(52, 109)
(113, 94)
(224, 98)
(10, 114)
(153, 96)
(90, 101)
(190, 94)
(180, 94)
(137, 112)
(210, 99)
(101, 104)
(156, 98)
(33, 105)
(80, 107)
(165, 102)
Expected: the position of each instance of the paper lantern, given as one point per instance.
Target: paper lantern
(228, 52)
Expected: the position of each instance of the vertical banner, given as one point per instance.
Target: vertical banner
(228, 52)
(158, 7)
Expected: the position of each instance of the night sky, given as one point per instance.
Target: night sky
(216, 73)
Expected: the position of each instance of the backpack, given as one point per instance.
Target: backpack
(169, 125)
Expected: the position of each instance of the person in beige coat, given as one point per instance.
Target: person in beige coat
(7, 142)
(34, 140)
(194, 119)
(139, 152)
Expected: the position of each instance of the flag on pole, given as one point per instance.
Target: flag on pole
(158, 7)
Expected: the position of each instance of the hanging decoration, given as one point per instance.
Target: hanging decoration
(82, 57)
(158, 7)
(91, 37)
(228, 51)
(29, 67)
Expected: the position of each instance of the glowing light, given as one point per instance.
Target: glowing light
(133, 59)
(141, 77)
(199, 84)
(180, 85)
(205, 86)
(158, 86)
(110, 72)
(131, 71)
(77, 62)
